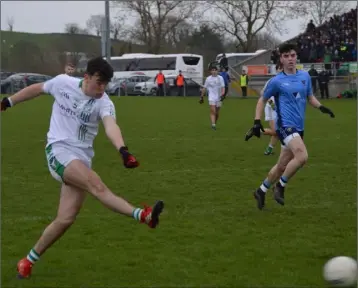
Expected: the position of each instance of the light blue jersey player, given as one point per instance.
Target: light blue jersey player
(291, 93)
(292, 89)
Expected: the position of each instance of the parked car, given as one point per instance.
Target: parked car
(115, 87)
(18, 81)
(5, 74)
(125, 86)
(191, 87)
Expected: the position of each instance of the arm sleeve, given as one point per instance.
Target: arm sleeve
(271, 89)
(107, 108)
(206, 83)
(51, 86)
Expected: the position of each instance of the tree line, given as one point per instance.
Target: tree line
(204, 27)
(242, 26)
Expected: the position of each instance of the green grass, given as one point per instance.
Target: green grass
(211, 232)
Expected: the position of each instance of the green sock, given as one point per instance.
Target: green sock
(33, 256)
(137, 213)
(268, 149)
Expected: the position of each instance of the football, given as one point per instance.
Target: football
(340, 271)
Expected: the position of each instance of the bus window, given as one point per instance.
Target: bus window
(121, 64)
(165, 63)
(131, 65)
(192, 61)
(169, 63)
(147, 64)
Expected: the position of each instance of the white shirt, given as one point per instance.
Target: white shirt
(75, 117)
(271, 101)
(214, 85)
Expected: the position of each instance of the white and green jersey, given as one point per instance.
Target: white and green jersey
(271, 102)
(75, 117)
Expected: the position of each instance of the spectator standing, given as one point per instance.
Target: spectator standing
(244, 82)
(160, 80)
(323, 80)
(179, 82)
(314, 77)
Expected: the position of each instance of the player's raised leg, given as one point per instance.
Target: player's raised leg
(300, 157)
(79, 175)
(71, 200)
(276, 171)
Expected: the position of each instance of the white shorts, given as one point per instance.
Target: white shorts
(59, 155)
(270, 114)
(216, 103)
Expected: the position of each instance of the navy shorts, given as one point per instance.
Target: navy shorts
(286, 134)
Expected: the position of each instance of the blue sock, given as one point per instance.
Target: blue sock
(265, 185)
(283, 181)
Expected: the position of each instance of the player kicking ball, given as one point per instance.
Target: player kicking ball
(78, 108)
(292, 89)
(215, 87)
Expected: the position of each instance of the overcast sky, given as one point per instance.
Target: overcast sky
(51, 16)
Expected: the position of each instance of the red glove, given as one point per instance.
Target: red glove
(129, 161)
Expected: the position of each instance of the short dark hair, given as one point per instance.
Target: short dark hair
(100, 67)
(278, 65)
(287, 47)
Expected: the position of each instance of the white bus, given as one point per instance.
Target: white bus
(236, 58)
(191, 65)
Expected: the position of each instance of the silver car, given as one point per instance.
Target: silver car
(125, 86)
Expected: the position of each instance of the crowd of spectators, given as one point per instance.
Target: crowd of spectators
(333, 41)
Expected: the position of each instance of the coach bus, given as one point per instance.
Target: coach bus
(191, 65)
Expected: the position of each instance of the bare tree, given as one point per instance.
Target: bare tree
(244, 20)
(265, 40)
(74, 28)
(152, 26)
(10, 23)
(94, 23)
(177, 35)
(116, 25)
(320, 10)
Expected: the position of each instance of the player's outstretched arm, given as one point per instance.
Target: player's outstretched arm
(316, 104)
(23, 95)
(114, 134)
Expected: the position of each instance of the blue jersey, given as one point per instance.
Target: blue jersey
(291, 92)
(226, 77)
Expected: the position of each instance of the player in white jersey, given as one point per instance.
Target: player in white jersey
(78, 108)
(215, 87)
(270, 116)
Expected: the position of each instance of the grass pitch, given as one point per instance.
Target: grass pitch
(211, 233)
